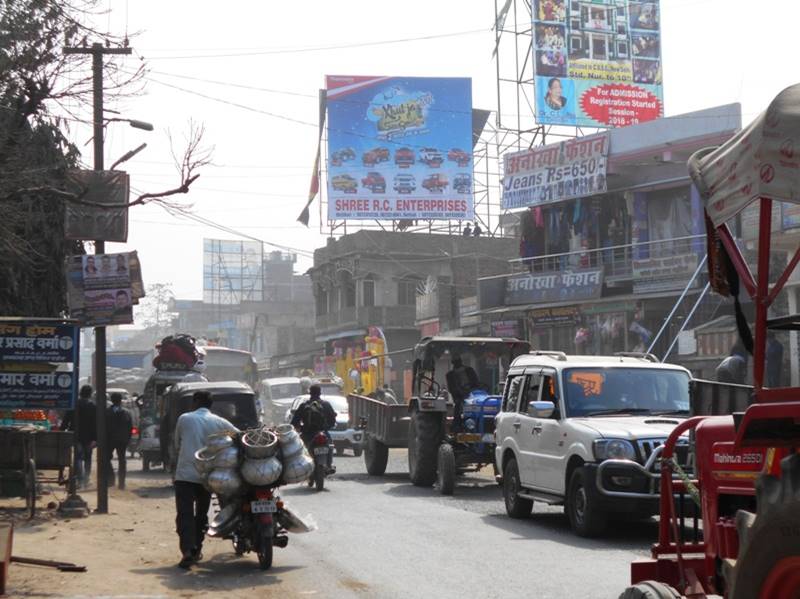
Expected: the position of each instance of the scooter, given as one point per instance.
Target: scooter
(320, 448)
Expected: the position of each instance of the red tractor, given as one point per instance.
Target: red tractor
(746, 479)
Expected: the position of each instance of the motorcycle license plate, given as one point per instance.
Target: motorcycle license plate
(263, 506)
(320, 450)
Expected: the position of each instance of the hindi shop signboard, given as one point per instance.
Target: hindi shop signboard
(557, 172)
(38, 365)
(663, 274)
(559, 286)
(399, 148)
(598, 63)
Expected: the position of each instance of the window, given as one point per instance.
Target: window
(321, 297)
(550, 392)
(531, 392)
(407, 292)
(512, 393)
(347, 290)
(367, 292)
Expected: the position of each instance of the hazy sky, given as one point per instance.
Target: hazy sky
(714, 52)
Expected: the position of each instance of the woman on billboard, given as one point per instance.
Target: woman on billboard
(554, 98)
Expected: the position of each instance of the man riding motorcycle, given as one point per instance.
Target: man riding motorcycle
(315, 415)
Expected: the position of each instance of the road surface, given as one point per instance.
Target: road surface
(377, 537)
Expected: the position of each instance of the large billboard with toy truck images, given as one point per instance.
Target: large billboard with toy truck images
(399, 148)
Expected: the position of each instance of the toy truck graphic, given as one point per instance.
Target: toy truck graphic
(374, 182)
(404, 157)
(404, 183)
(462, 183)
(345, 183)
(460, 157)
(435, 183)
(431, 156)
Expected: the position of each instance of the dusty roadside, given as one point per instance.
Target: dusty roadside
(131, 551)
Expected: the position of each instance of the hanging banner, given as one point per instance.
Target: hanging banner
(399, 148)
(103, 288)
(667, 273)
(38, 364)
(597, 63)
(554, 286)
(556, 172)
(88, 220)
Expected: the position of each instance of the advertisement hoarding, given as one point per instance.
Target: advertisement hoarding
(233, 271)
(399, 148)
(103, 288)
(556, 172)
(597, 63)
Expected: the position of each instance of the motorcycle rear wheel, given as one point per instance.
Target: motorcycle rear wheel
(265, 549)
(319, 477)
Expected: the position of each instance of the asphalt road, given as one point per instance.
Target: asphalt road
(383, 537)
(377, 537)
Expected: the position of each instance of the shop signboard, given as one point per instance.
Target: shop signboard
(562, 315)
(597, 63)
(666, 273)
(38, 364)
(790, 216)
(399, 148)
(507, 328)
(570, 286)
(467, 308)
(103, 288)
(556, 172)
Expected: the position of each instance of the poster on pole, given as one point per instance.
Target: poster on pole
(556, 172)
(38, 364)
(399, 148)
(103, 288)
(597, 63)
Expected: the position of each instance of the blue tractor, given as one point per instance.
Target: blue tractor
(456, 396)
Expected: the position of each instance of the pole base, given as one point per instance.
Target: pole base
(74, 507)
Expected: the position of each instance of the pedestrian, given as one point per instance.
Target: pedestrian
(476, 232)
(191, 497)
(467, 230)
(83, 422)
(733, 369)
(774, 361)
(118, 431)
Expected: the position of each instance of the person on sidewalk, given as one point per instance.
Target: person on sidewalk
(84, 419)
(118, 429)
(191, 497)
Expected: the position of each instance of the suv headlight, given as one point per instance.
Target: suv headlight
(614, 449)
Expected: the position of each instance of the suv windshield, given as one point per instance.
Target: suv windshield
(608, 391)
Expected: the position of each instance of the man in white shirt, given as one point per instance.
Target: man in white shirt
(191, 497)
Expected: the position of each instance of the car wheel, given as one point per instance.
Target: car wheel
(585, 516)
(516, 506)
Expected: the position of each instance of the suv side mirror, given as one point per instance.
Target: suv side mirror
(541, 409)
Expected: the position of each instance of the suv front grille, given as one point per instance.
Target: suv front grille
(648, 446)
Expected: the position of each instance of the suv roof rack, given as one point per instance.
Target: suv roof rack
(558, 355)
(638, 354)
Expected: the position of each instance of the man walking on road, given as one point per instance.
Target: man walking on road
(83, 420)
(191, 497)
(118, 428)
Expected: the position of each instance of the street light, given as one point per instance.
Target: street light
(128, 155)
(143, 125)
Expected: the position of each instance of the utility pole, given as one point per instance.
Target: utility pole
(97, 51)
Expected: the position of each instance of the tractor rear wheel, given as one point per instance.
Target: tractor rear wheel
(769, 542)
(424, 437)
(650, 589)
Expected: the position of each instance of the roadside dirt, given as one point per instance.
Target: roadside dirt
(131, 551)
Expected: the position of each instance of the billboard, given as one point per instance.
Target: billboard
(233, 271)
(597, 63)
(399, 148)
(556, 172)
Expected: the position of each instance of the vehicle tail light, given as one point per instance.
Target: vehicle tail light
(263, 494)
(134, 431)
(320, 439)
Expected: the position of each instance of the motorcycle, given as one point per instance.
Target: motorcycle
(256, 522)
(320, 447)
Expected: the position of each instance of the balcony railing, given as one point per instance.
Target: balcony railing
(617, 260)
(366, 316)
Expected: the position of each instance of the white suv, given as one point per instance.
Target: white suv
(586, 432)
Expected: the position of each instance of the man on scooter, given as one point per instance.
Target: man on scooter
(313, 416)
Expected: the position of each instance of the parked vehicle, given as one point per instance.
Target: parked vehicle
(424, 424)
(345, 183)
(404, 157)
(405, 183)
(329, 385)
(431, 156)
(615, 411)
(462, 183)
(435, 183)
(277, 395)
(233, 400)
(460, 157)
(375, 182)
(151, 410)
